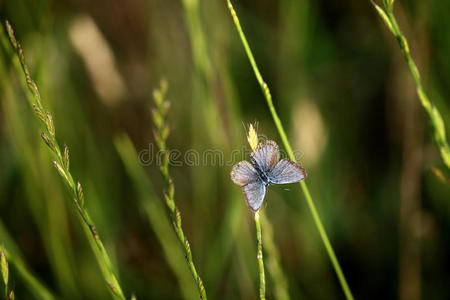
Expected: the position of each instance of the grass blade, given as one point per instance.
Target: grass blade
(36, 287)
(280, 282)
(61, 164)
(154, 210)
(437, 122)
(161, 134)
(260, 257)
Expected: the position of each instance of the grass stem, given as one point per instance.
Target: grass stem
(260, 258)
(287, 145)
(154, 209)
(61, 163)
(280, 282)
(437, 122)
(12, 253)
(161, 133)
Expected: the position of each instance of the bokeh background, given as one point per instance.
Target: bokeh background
(342, 90)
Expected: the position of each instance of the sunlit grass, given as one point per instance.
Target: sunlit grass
(435, 116)
(161, 133)
(62, 164)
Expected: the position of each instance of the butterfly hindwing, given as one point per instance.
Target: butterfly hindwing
(243, 173)
(286, 171)
(254, 194)
(266, 156)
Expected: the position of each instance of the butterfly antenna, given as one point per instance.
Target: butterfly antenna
(255, 124)
(245, 127)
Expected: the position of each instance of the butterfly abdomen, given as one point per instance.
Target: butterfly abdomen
(262, 175)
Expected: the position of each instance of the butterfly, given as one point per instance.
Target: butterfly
(265, 168)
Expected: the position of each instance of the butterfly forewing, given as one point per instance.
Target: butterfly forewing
(254, 194)
(243, 173)
(286, 171)
(266, 156)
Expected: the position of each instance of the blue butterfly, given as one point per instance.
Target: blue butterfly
(264, 168)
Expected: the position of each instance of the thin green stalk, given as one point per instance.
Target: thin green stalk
(4, 271)
(287, 145)
(4, 274)
(159, 114)
(437, 122)
(155, 212)
(61, 163)
(280, 282)
(205, 83)
(36, 287)
(40, 190)
(260, 258)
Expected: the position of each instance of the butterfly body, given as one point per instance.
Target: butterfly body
(265, 168)
(262, 175)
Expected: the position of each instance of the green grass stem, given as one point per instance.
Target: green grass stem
(4, 271)
(161, 133)
(42, 191)
(61, 163)
(280, 282)
(287, 145)
(12, 252)
(155, 212)
(260, 258)
(437, 122)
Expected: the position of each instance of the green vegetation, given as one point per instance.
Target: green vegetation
(62, 164)
(336, 96)
(290, 152)
(435, 116)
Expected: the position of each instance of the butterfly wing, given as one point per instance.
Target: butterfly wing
(254, 194)
(286, 171)
(266, 156)
(243, 173)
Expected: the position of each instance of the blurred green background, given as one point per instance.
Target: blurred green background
(342, 90)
